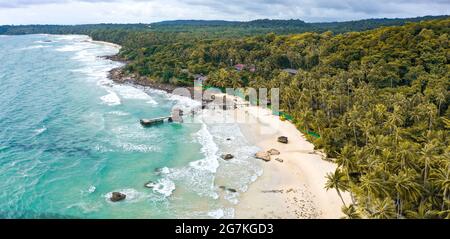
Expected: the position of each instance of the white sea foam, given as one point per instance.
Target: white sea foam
(118, 113)
(216, 214)
(92, 189)
(33, 47)
(164, 186)
(183, 102)
(71, 37)
(43, 42)
(232, 197)
(85, 207)
(133, 93)
(71, 48)
(111, 99)
(225, 213)
(164, 170)
(129, 147)
(209, 149)
(40, 130)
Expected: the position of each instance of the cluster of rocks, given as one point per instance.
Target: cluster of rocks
(266, 155)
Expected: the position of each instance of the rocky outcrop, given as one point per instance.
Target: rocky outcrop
(283, 139)
(227, 156)
(118, 75)
(231, 190)
(273, 152)
(150, 185)
(263, 155)
(117, 197)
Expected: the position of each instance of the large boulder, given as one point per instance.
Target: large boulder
(263, 155)
(273, 152)
(150, 185)
(116, 197)
(227, 156)
(283, 139)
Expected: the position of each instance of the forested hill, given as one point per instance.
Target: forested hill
(216, 28)
(284, 26)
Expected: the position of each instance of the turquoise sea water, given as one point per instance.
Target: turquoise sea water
(69, 137)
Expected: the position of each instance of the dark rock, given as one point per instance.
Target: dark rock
(283, 139)
(231, 190)
(116, 197)
(223, 187)
(227, 156)
(279, 160)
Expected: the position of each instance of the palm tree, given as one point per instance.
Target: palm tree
(441, 177)
(373, 186)
(338, 181)
(377, 143)
(367, 127)
(424, 211)
(428, 153)
(350, 212)
(383, 209)
(345, 158)
(353, 121)
(406, 153)
(406, 188)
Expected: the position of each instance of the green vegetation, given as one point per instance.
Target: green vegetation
(379, 98)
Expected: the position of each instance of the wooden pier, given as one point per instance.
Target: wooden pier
(175, 117)
(155, 121)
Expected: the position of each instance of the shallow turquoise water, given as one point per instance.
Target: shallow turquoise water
(69, 137)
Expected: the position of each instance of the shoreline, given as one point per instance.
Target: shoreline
(292, 189)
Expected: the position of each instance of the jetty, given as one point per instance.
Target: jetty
(177, 116)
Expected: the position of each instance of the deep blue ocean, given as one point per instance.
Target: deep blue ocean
(69, 137)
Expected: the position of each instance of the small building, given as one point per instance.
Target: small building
(239, 67)
(291, 71)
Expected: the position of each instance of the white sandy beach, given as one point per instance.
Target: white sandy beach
(293, 188)
(106, 43)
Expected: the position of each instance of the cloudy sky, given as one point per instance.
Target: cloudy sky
(146, 11)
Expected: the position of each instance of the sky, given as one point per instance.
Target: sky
(146, 11)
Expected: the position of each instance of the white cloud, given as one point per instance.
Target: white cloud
(132, 11)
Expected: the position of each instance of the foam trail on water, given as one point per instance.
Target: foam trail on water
(164, 186)
(40, 131)
(111, 99)
(209, 149)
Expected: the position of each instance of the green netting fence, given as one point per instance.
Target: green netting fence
(291, 119)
